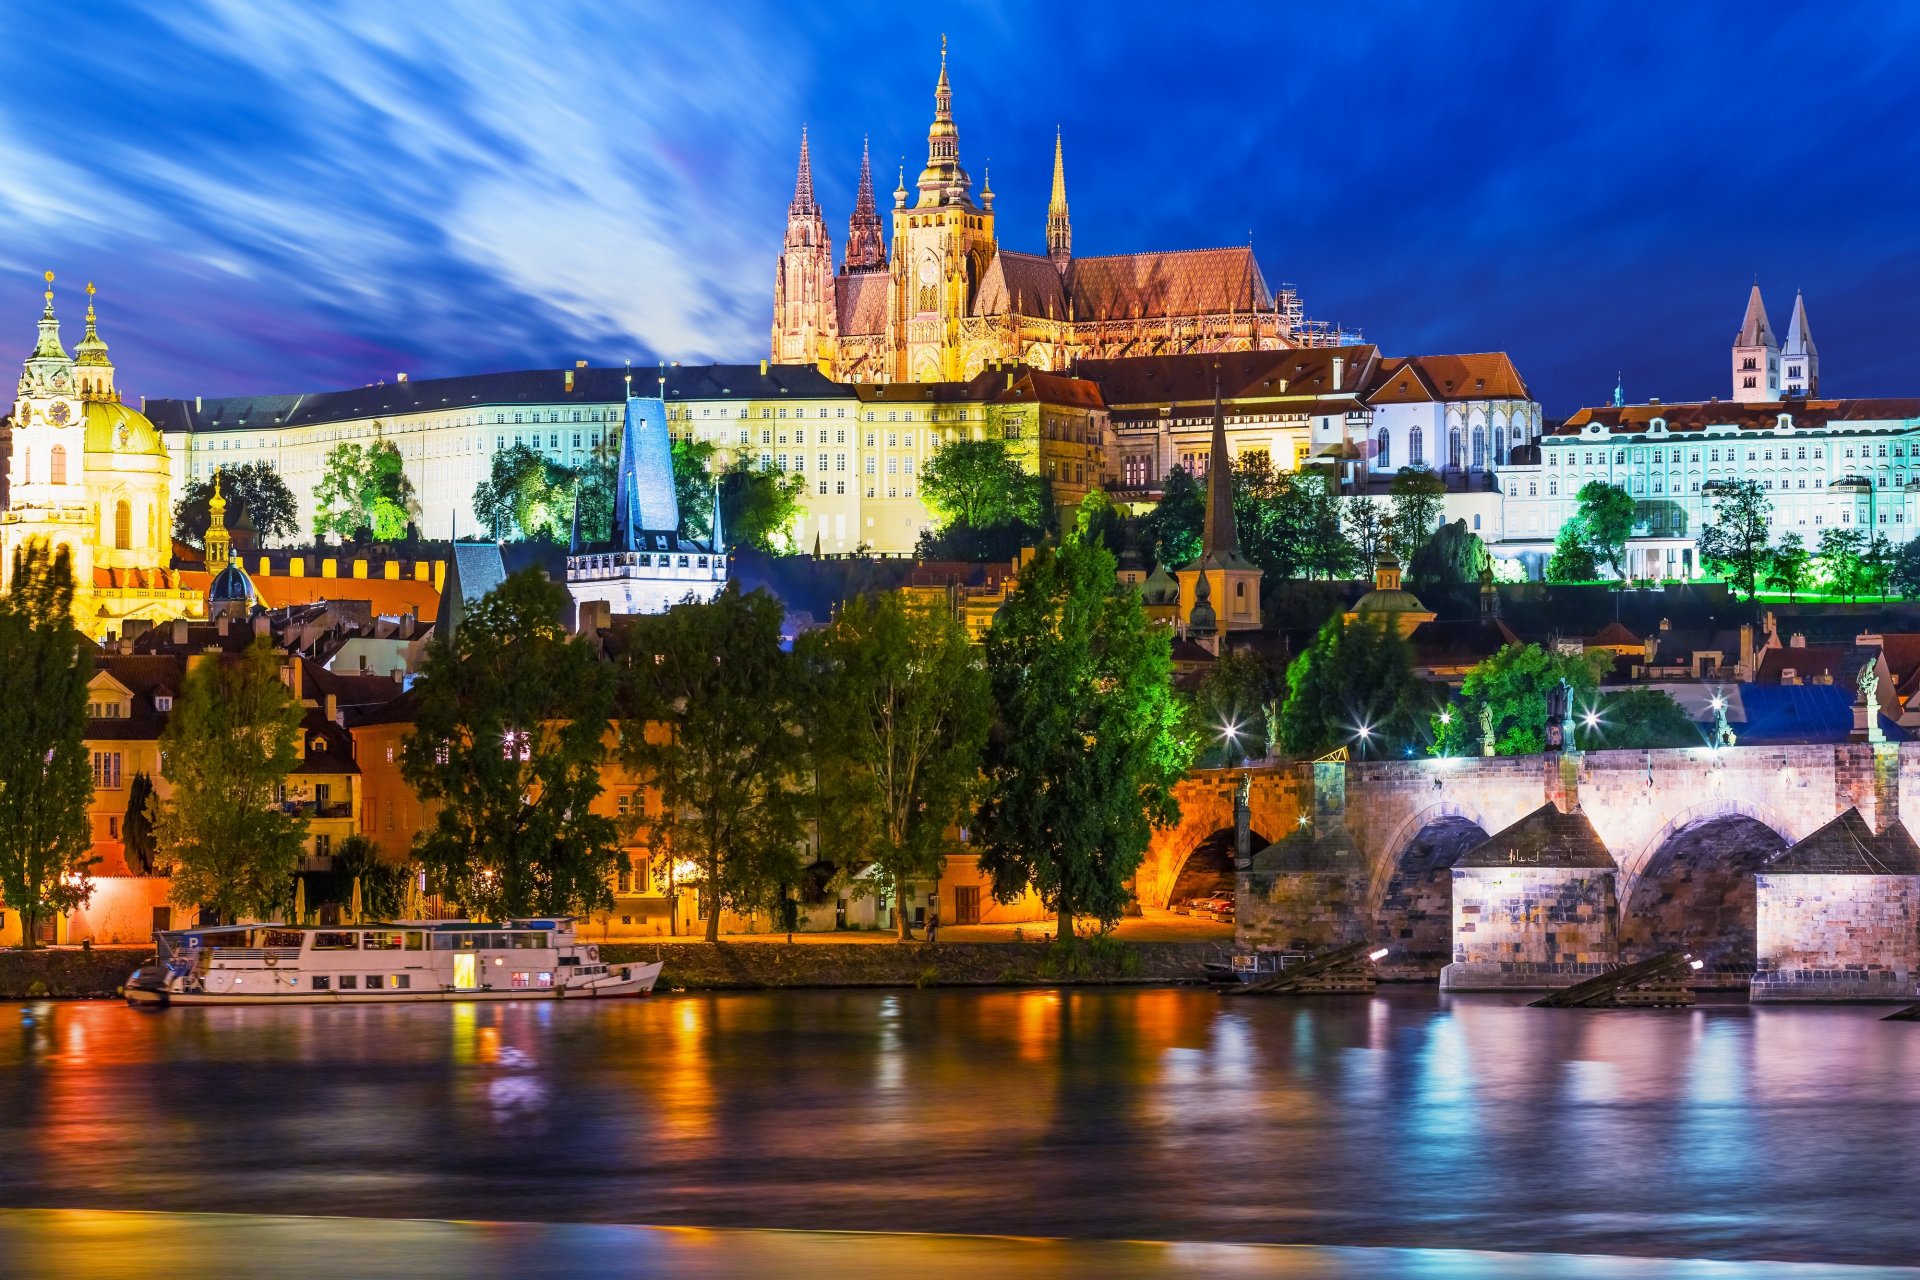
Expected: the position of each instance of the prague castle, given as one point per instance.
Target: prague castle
(949, 302)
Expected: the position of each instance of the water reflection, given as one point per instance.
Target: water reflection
(1401, 1119)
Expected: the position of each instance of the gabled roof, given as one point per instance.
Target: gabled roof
(1486, 375)
(1841, 663)
(1021, 284)
(1185, 282)
(1698, 416)
(1544, 838)
(1301, 850)
(860, 298)
(1613, 636)
(1298, 373)
(1847, 846)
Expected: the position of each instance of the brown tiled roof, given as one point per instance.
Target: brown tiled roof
(1613, 636)
(1806, 662)
(387, 595)
(1400, 381)
(1902, 650)
(1747, 417)
(1021, 284)
(861, 301)
(1187, 282)
(1486, 375)
(1848, 846)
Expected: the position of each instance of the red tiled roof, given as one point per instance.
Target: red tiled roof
(860, 299)
(1747, 417)
(1187, 282)
(1021, 284)
(1613, 636)
(1298, 373)
(1805, 662)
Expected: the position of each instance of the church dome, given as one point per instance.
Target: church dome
(114, 428)
(1160, 587)
(1389, 601)
(231, 586)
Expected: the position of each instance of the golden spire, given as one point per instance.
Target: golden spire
(219, 546)
(49, 295)
(1059, 231)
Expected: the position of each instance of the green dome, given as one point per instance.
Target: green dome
(1394, 601)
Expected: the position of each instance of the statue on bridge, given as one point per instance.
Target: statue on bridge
(1870, 701)
(1486, 730)
(1560, 716)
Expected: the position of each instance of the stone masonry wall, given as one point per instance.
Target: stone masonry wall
(1299, 910)
(1837, 937)
(1530, 927)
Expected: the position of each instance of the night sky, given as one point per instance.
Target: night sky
(294, 198)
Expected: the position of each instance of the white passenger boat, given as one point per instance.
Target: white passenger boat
(411, 960)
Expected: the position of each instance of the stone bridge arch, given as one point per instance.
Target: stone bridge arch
(1206, 796)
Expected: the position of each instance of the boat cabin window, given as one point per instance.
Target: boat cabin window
(519, 940)
(282, 938)
(336, 942)
(380, 941)
(533, 940)
(416, 942)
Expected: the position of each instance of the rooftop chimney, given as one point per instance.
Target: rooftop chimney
(763, 368)
(569, 379)
(333, 708)
(179, 631)
(1339, 368)
(401, 376)
(261, 626)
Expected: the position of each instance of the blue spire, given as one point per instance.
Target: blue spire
(1619, 391)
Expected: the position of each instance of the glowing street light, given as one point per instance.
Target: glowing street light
(1592, 719)
(1446, 715)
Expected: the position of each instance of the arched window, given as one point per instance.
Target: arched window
(1453, 449)
(1383, 458)
(1479, 448)
(123, 525)
(58, 461)
(1416, 449)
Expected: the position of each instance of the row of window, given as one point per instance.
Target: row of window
(1788, 453)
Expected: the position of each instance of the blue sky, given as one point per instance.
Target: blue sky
(294, 197)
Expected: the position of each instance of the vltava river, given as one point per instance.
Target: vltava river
(1404, 1119)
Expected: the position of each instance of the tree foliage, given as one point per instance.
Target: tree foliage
(525, 495)
(1789, 565)
(758, 506)
(1415, 494)
(722, 744)
(253, 488)
(1081, 765)
(1514, 684)
(45, 783)
(1841, 558)
(1636, 719)
(1734, 542)
(1232, 710)
(1572, 559)
(1172, 529)
(364, 492)
(1603, 521)
(1355, 675)
(692, 488)
(1098, 520)
(510, 732)
(136, 828)
(1904, 576)
(1453, 555)
(899, 699)
(230, 742)
(986, 504)
(1370, 530)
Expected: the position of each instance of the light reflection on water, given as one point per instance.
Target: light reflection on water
(1403, 1119)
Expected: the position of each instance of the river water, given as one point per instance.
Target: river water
(1405, 1119)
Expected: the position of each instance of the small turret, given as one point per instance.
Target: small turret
(91, 366)
(866, 240)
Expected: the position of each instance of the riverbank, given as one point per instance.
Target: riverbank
(69, 974)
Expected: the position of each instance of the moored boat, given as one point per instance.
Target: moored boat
(407, 961)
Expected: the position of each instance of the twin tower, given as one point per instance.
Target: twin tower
(1765, 370)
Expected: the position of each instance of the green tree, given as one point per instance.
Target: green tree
(1172, 529)
(978, 483)
(1082, 764)
(1841, 556)
(722, 745)
(1789, 565)
(1453, 555)
(364, 491)
(692, 487)
(1355, 676)
(230, 742)
(383, 883)
(1571, 560)
(758, 506)
(1369, 529)
(1604, 522)
(1514, 684)
(1904, 578)
(900, 696)
(1313, 514)
(1416, 496)
(136, 828)
(1876, 565)
(595, 484)
(1230, 709)
(1635, 719)
(45, 783)
(1734, 542)
(253, 488)
(1098, 520)
(525, 495)
(510, 731)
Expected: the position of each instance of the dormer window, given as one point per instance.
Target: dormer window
(163, 702)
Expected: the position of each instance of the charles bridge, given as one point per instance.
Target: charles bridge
(1674, 841)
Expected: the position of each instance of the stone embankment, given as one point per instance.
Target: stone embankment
(753, 966)
(724, 966)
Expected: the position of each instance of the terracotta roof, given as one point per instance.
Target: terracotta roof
(1613, 636)
(1182, 283)
(1400, 381)
(1746, 417)
(1021, 284)
(1487, 375)
(860, 298)
(1848, 846)
(1544, 838)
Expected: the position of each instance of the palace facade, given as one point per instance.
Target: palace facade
(945, 301)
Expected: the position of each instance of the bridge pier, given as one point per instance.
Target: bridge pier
(1838, 916)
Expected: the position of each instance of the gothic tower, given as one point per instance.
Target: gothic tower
(1799, 358)
(1756, 356)
(805, 321)
(1059, 233)
(942, 244)
(866, 237)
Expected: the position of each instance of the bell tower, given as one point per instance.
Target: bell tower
(805, 319)
(1756, 355)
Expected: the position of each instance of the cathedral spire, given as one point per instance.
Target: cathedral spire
(866, 240)
(803, 201)
(218, 543)
(1059, 232)
(943, 181)
(1220, 539)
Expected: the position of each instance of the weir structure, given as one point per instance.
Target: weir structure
(1531, 872)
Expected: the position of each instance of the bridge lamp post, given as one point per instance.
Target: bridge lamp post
(1230, 734)
(1365, 734)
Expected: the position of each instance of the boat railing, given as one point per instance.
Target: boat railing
(257, 953)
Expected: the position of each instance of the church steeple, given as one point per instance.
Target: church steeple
(943, 181)
(48, 371)
(805, 317)
(1059, 232)
(219, 546)
(866, 240)
(1799, 358)
(1756, 355)
(90, 358)
(803, 204)
(1220, 539)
